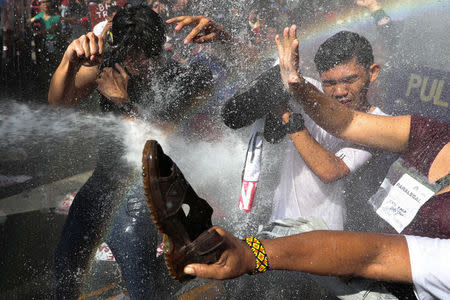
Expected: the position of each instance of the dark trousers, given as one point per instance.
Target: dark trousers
(98, 213)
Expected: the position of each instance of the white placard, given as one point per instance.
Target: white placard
(403, 202)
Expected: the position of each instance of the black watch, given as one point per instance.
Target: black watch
(295, 124)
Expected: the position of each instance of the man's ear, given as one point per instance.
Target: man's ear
(374, 71)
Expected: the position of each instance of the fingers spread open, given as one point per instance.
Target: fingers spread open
(294, 54)
(176, 19)
(122, 71)
(204, 38)
(285, 36)
(292, 32)
(197, 29)
(183, 22)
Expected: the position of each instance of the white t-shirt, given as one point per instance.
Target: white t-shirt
(301, 193)
(430, 267)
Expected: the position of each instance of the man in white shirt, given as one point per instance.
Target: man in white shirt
(315, 161)
(310, 194)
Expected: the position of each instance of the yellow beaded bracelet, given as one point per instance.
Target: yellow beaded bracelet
(262, 261)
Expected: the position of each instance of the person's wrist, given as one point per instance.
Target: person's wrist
(249, 258)
(260, 259)
(295, 124)
(70, 63)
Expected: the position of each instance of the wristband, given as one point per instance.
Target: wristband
(295, 124)
(262, 261)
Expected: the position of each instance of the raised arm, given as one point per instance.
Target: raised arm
(330, 253)
(75, 76)
(388, 133)
(323, 163)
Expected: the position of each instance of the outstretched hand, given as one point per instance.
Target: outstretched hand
(289, 58)
(237, 260)
(205, 30)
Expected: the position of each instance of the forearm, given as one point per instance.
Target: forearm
(387, 133)
(64, 90)
(375, 256)
(325, 111)
(320, 161)
(62, 85)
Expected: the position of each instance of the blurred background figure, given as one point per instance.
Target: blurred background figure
(160, 8)
(49, 41)
(77, 18)
(50, 22)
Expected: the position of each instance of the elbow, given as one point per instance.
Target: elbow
(52, 100)
(328, 177)
(333, 172)
(55, 101)
(60, 97)
(52, 97)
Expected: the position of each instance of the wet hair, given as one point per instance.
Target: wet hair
(113, 9)
(138, 28)
(342, 48)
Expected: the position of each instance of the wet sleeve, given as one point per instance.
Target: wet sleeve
(420, 130)
(354, 158)
(430, 265)
(426, 131)
(263, 95)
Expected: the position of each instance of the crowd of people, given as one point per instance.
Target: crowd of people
(332, 131)
(35, 34)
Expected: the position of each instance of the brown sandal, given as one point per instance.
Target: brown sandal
(179, 213)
